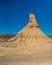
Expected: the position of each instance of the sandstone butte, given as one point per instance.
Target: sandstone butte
(28, 41)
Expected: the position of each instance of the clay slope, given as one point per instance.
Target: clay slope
(31, 32)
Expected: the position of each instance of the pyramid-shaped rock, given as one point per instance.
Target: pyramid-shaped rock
(30, 33)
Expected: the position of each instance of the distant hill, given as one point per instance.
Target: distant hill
(49, 36)
(5, 37)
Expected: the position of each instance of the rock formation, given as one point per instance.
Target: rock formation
(31, 32)
(29, 40)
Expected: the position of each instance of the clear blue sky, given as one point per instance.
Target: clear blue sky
(14, 15)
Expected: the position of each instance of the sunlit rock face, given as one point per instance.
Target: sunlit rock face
(32, 19)
(31, 32)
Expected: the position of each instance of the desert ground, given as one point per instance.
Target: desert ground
(41, 57)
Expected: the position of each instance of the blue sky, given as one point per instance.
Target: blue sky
(14, 15)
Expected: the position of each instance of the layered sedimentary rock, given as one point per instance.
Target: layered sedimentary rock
(31, 32)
